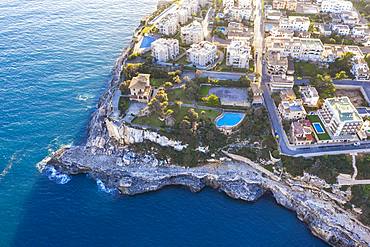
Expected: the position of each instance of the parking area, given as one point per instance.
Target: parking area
(231, 96)
(133, 110)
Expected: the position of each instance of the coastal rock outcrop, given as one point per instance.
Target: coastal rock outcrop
(133, 174)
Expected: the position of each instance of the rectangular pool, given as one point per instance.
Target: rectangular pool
(318, 128)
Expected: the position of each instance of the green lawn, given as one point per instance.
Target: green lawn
(179, 115)
(308, 69)
(204, 90)
(315, 119)
(123, 104)
(158, 82)
(177, 95)
(152, 120)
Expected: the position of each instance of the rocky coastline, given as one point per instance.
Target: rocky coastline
(104, 159)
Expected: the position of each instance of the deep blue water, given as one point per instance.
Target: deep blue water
(55, 58)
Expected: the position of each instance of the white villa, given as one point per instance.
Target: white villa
(309, 95)
(340, 117)
(238, 54)
(292, 110)
(202, 54)
(140, 89)
(164, 50)
(192, 33)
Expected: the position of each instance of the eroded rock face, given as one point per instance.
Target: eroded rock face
(133, 174)
(129, 135)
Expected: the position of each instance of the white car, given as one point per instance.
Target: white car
(356, 144)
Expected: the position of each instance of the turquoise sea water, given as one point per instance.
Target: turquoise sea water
(55, 57)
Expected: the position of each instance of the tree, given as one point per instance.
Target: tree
(341, 75)
(131, 70)
(159, 103)
(324, 85)
(176, 79)
(193, 115)
(178, 104)
(168, 84)
(169, 112)
(192, 90)
(211, 100)
(344, 63)
(245, 81)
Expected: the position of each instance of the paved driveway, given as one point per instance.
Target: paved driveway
(133, 110)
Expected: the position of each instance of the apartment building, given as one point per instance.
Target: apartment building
(238, 13)
(169, 25)
(295, 23)
(164, 50)
(184, 15)
(228, 3)
(238, 54)
(237, 31)
(340, 29)
(350, 18)
(244, 3)
(336, 6)
(281, 82)
(360, 68)
(292, 110)
(285, 4)
(276, 64)
(202, 54)
(359, 31)
(192, 33)
(305, 49)
(340, 117)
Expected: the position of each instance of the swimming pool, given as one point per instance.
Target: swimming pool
(222, 29)
(229, 119)
(147, 41)
(318, 128)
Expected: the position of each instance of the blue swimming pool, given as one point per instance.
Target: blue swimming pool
(147, 41)
(222, 29)
(229, 119)
(318, 128)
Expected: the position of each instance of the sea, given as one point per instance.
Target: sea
(56, 57)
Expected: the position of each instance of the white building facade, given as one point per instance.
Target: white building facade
(164, 50)
(238, 54)
(192, 33)
(202, 54)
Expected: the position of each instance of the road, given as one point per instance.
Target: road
(166, 12)
(258, 39)
(234, 76)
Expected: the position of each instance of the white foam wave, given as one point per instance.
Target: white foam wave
(104, 188)
(84, 97)
(56, 176)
